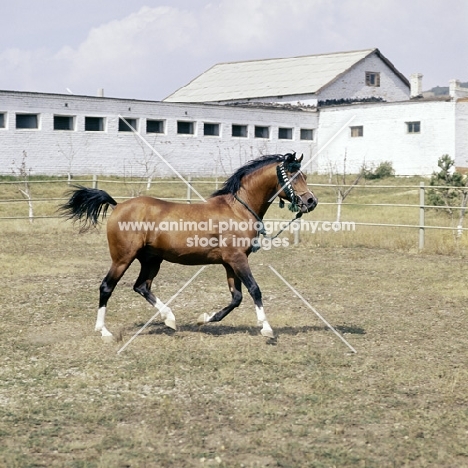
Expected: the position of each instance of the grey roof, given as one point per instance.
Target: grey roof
(271, 77)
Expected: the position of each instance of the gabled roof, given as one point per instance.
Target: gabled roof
(272, 77)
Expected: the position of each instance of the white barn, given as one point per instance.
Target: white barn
(299, 80)
(324, 106)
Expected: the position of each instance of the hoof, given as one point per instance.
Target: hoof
(108, 339)
(203, 318)
(267, 333)
(170, 323)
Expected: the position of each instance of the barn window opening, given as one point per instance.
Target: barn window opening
(210, 129)
(64, 122)
(94, 124)
(127, 125)
(413, 127)
(155, 126)
(262, 132)
(29, 121)
(285, 133)
(185, 128)
(357, 131)
(239, 131)
(373, 79)
(2, 120)
(307, 134)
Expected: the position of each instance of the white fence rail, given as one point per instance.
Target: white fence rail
(94, 182)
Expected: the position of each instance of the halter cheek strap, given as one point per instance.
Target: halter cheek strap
(287, 187)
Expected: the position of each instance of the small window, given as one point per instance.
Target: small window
(210, 129)
(155, 126)
(307, 134)
(284, 133)
(413, 127)
(372, 79)
(239, 131)
(94, 124)
(127, 124)
(185, 128)
(2, 120)
(27, 121)
(64, 122)
(357, 131)
(262, 132)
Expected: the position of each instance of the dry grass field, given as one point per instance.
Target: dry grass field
(222, 395)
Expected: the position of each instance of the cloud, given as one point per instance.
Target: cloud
(130, 49)
(155, 50)
(151, 52)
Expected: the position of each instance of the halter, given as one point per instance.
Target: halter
(295, 199)
(286, 184)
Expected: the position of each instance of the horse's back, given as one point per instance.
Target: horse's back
(146, 208)
(165, 229)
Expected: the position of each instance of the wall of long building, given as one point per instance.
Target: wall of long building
(461, 134)
(389, 133)
(110, 151)
(361, 133)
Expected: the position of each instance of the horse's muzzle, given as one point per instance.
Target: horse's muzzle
(308, 202)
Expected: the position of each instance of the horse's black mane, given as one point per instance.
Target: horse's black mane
(233, 184)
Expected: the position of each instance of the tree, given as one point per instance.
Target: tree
(341, 188)
(22, 172)
(450, 189)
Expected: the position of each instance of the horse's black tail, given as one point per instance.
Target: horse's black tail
(86, 205)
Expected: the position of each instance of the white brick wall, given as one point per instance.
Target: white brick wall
(461, 134)
(112, 152)
(353, 84)
(444, 130)
(385, 136)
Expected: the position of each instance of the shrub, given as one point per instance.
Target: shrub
(382, 171)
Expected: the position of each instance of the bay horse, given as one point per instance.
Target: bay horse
(152, 230)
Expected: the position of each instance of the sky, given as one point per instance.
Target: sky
(147, 49)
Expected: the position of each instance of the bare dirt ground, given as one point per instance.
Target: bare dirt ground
(222, 395)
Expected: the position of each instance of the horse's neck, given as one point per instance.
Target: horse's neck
(256, 192)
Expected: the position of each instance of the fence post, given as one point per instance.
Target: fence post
(421, 215)
(297, 236)
(189, 189)
(95, 182)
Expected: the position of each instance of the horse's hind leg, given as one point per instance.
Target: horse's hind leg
(105, 291)
(235, 286)
(149, 269)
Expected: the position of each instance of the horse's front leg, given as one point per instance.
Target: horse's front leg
(241, 268)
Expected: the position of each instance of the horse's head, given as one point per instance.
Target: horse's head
(292, 185)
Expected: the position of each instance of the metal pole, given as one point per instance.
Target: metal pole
(421, 215)
(95, 182)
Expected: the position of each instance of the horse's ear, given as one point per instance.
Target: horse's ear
(290, 157)
(301, 158)
(292, 164)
